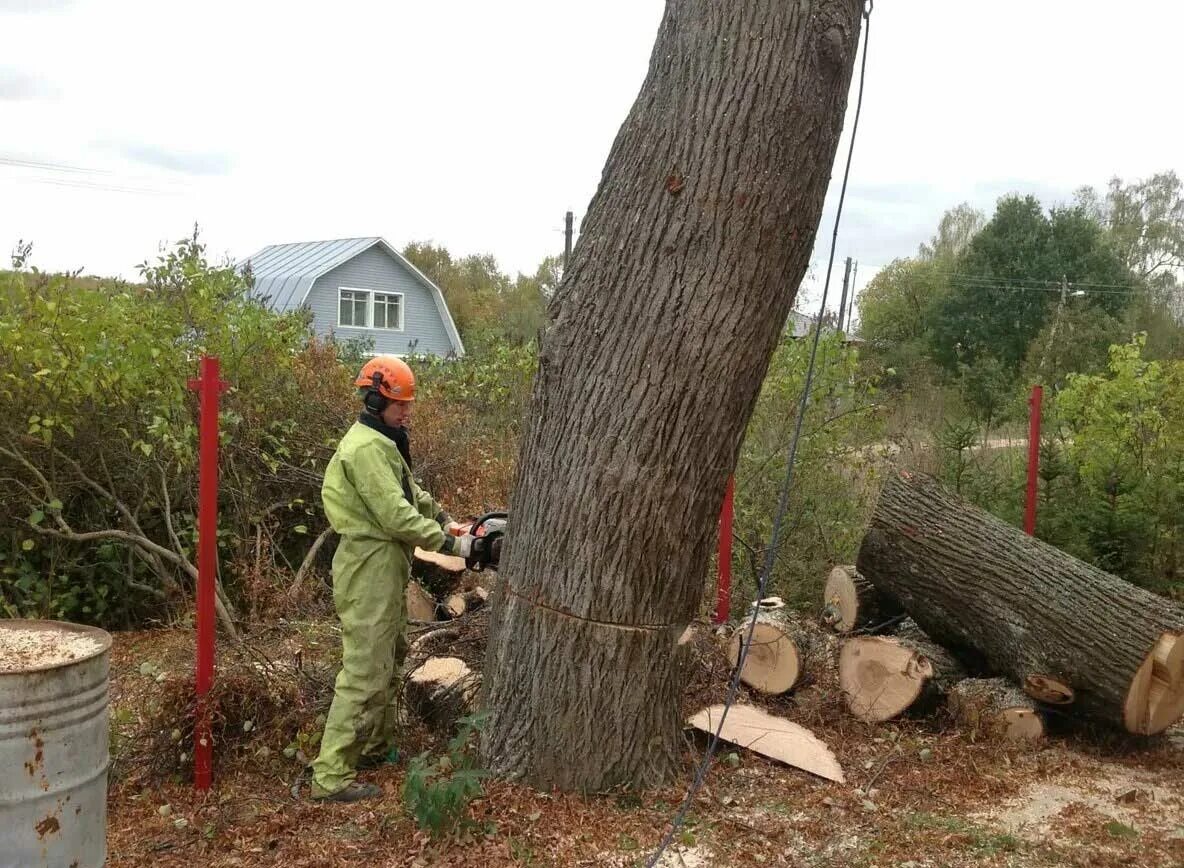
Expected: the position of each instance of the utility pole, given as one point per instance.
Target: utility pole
(851, 306)
(567, 221)
(843, 297)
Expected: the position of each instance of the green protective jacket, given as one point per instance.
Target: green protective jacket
(373, 502)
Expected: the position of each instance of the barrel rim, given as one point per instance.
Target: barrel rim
(101, 635)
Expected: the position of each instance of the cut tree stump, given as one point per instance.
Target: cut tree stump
(438, 572)
(421, 606)
(781, 648)
(851, 603)
(774, 737)
(458, 604)
(883, 676)
(996, 708)
(441, 690)
(1104, 648)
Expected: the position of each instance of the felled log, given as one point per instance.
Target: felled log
(458, 604)
(421, 606)
(883, 676)
(852, 603)
(440, 691)
(995, 708)
(781, 649)
(1104, 648)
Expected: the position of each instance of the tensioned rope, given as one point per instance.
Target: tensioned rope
(786, 485)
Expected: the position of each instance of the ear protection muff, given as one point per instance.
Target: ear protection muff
(375, 401)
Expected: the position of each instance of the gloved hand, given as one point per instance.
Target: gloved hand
(460, 546)
(464, 545)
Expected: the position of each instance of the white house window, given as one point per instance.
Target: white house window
(354, 308)
(388, 310)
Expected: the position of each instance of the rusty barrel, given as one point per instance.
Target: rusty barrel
(53, 744)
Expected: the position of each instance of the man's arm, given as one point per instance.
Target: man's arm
(381, 491)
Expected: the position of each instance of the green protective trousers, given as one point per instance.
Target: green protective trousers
(367, 503)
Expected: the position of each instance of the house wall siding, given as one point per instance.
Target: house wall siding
(374, 270)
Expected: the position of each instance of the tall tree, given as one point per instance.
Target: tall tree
(687, 265)
(1008, 280)
(1145, 220)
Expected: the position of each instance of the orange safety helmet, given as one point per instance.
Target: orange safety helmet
(389, 376)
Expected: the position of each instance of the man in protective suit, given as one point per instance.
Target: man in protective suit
(381, 514)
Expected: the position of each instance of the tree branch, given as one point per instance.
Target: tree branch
(168, 513)
(138, 540)
(307, 564)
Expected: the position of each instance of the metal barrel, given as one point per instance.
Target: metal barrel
(53, 744)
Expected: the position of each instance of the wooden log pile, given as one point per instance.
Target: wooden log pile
(1002, 625)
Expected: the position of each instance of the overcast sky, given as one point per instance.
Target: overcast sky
(476, 124)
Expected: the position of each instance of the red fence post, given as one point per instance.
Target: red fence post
(1033, 459)
(209, 387)
(723, 593)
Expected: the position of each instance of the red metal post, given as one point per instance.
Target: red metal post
(1033, 459)
(209, 387)
(723, 594)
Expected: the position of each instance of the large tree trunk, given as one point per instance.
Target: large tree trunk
(658, 339)
(1066, 631)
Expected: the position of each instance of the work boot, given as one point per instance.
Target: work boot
(354, 792)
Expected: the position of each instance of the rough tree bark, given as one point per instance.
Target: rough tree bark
(657, 341)
(1061, 628)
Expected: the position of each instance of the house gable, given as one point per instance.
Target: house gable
(375, 270)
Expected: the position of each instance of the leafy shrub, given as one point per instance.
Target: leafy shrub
(833, 488)
(437, 790)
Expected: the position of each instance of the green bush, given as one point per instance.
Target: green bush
(834, 476)
(98, 434)
(437, 790)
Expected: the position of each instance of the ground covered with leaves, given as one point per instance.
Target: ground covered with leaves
(918, 792)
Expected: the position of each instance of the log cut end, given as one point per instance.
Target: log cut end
(1021, 724)
(772, 664)
(1049, 690)
(850, 602)
(840, 601)
(1156, 697)
(881, 677)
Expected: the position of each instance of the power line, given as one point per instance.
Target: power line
(84, 185)
(49, 166)
(786, 486)
(964, 276)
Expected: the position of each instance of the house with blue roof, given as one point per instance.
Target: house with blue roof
(357, 288)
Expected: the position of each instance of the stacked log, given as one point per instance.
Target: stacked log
(782, 648)
(1010, 605)
(853, 604)
(884, 676)
(995, 708)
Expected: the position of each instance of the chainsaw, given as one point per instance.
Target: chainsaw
(488, 531)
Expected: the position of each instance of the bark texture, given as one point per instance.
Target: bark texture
(656, 344)
(984, 589)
